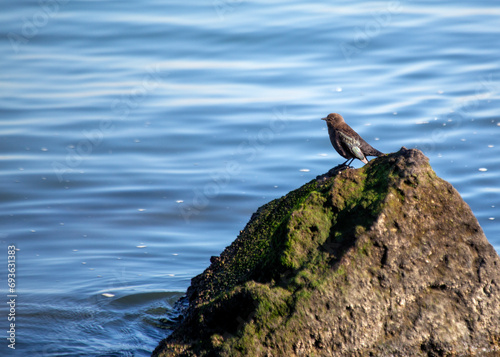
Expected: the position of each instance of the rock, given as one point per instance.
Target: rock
(385, 260)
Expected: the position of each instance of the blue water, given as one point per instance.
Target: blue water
(137, 138)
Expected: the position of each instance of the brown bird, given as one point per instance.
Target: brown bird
(347, 142)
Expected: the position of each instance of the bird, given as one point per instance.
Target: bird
(347, 142)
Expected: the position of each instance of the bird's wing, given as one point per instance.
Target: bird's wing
(353, 145)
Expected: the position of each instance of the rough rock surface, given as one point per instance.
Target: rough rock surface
(385, 260)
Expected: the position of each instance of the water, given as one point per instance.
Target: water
(138, 138)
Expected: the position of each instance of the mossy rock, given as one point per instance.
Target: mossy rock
(385, 260)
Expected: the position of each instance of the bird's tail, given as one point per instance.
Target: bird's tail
(374, 152)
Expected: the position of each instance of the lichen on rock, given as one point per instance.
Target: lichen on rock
(385, 260)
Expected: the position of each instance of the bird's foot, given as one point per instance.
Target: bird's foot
(335, 170)
(342, 167)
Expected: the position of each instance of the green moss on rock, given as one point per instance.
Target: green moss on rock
(383, 260)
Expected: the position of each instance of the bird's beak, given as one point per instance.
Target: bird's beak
(323, 118)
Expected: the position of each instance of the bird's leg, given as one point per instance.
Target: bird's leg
(343, 165)
(350, 162)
